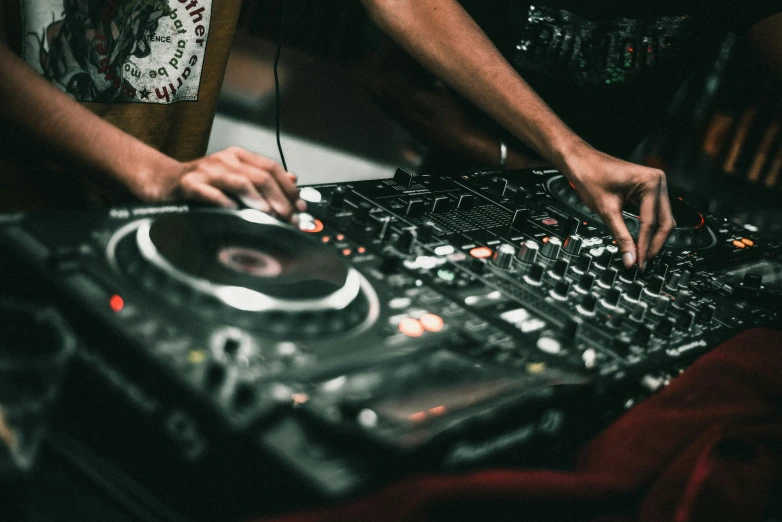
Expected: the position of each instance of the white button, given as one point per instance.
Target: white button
(399, 303)
(310, 194)
(549, 345)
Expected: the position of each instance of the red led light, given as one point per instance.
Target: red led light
(361, 250)
(326, 239)
(346, 252)
(116, 303)
(481, 252)
(340, 237)
(545, 239)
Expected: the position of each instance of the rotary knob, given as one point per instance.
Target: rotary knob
(604, 261)
(587, 305)
(535, 275)
(611, 298)
(550, 250)
(572, 245)
(561, 289)
(503, 257)
(337, 200)
(528, 253)
(655, 286)
(627, 275)
(560, 269)
(582, 264)
(585, 283)
(608, 277)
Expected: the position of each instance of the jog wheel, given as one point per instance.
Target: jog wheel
(244, 268)
(691, 231)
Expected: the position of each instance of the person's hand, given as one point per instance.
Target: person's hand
(256, 181)
(604, 183)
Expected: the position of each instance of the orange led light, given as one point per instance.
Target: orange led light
(437, 411)
(431, 322)
(116, 303)
(738, 244)
(481, 252)
(346, 251)
(340, 237)
(747, 242)
(317, 226)
(361, 250)
(545, 239)
(326, 239)
(410, 327)
(418, 416)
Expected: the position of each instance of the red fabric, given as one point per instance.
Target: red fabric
(707, 448)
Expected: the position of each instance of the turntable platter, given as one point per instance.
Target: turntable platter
(271, 276)
(690, 232)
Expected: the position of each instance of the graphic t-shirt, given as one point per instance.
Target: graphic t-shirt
(609, 68)
(150, 67)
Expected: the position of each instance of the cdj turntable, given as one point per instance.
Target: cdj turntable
(234, 365)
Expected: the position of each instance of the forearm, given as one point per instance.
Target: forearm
(443, 37)
(766, 39)
(61, 126)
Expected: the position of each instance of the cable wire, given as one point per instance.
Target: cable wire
(277, 100)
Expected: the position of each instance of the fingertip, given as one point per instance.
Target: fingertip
(628, 259)
(301, 205)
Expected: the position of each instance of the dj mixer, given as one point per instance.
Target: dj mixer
(232, 364)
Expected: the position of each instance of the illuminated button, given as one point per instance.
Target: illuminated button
(536, 367)
(738, 244)
(196, 356)
(399, 303)
(312, 227)
(444, 250)
(446, 275)
(431, 322)
(437, 411)
(418, 417)
(481, 252)
(116, 303)
(310, 194)
(747, 242)
(550, 221)
(410, 327)
(549, 345)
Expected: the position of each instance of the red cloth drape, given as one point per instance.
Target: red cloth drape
(706, 448)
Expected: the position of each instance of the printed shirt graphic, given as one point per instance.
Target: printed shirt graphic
(118, 51)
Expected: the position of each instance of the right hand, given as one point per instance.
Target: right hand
(258, 182)
(605, 183)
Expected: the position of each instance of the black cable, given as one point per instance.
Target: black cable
(277, 83)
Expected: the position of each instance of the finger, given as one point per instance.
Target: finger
(624, 241)
(242, 187)
(207, 194)
(666, 222)
(286, 180)
(268, 185)
(646, 228)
